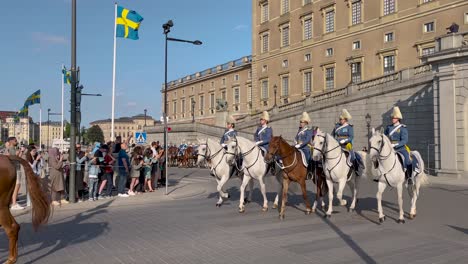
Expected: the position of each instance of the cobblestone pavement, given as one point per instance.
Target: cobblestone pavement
(186, 227)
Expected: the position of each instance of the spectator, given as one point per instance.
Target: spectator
(137, 163)
(93, 176)
(148, 162)
(108, 172)
(81, 158)
(56, 177)
(124, 170)
(155, 166)
(35, 160)
(11, 150)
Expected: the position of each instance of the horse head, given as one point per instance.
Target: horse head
(273, 149)
(319, 144)
(232, 150)
(202, 151)
(380, 145)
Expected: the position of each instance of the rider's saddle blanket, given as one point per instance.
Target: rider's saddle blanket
(304, 161)
(414, 162)
(348, 157)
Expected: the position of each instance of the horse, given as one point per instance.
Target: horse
(254, 166)
(389, 171)
(213, 154)
(40, 203)
(186, 158)
(336, 169)
(172, 156)
(292, 169)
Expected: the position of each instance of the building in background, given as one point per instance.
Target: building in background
(125, 126)
(51, 132)
(199, 96)
(24, 129)
(310, 47)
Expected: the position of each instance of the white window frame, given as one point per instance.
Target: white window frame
(307, 57)
(358, 12)
(285, 86)
(429, 27)
(285, 64)
(329, 52)
(305, 89)
(284, 6)
(356, 45)
(265, 91)
(384, 61)
(265, 14)
(236, 77)
(307, 27)
(354, 78)
(285, 31)
(389, 7)
(234, 89)
(327, 86)
(329, 24)
(386, 40)
(265, 47)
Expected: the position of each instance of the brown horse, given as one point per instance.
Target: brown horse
(293, 170)
(172, 155)
(40, 203)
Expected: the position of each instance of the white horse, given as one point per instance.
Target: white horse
(215, 157)
(387, 170)
(254, 166)
(336, 169)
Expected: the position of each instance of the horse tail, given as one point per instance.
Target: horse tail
(422, 177)
(40, 202)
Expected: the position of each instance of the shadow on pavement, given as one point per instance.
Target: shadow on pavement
(63, 234)
(461, 229)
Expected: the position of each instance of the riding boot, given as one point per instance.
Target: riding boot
(272, 168)
(310, 170)
(409, 174)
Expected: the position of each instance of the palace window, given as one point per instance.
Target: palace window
(329, 52)
(389, 64)
(236, 95)
(265, 15)
(264, 89)
(285, 86)
(356, 72)
(265, 42)
(307, 28)
(356, 9)
(307, 57)
(356, 45)
(388, 37)
(427, 51)
(330, 78)
(388, 7)
(330, 21)
(284, 6)
(428, 27)
(285, 35)
(307, 82)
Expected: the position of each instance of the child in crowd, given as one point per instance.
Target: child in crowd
(148, 162)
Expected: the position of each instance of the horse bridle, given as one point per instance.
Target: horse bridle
(243, 155)
(209, 157)
(380, 149)
(323, 153)
(274, 153)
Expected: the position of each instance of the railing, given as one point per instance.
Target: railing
(292, 106)
(422, 69)
(379, 81)
(330, 95)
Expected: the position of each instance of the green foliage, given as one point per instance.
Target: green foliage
(67, 130)
(94, 134)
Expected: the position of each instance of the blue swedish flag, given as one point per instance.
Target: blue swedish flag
(66, 76)
(34, 98)
(23, 112)
(128, 22)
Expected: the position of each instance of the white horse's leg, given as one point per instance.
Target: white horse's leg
(354, 186)
(381, 189)
(220, 199)
(249, 199)
(245, 181)
(330, 198)
(400, 202)
(339, 193)
(263, 190)
(220, 186)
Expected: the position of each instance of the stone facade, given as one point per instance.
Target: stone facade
(125, 126)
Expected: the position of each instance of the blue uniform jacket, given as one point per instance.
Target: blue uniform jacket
(264, 135)
(345, 132)
(400, 136)
(303, 138)
(228, 132)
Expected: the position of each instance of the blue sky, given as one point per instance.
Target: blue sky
(35, 42)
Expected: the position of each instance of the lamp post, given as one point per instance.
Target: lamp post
(275, 90)
(166, 29)
(145, 120)
(193, 110)
(73, 106)
(48, 124)
(368, 122)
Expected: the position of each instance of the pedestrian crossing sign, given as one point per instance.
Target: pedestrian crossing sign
(140, 137)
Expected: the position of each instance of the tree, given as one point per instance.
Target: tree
(95, 134)
(67, 130)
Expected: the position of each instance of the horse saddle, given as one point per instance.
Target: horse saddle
(348, 157)
(414, 162)
(304, 160)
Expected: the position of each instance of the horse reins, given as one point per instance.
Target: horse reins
(325, 158)
(385, 157)
(209, 158)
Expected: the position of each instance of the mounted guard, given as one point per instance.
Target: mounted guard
(398, 135)
(303, 142)
(231, 132)
(344, 134)
(263, 135)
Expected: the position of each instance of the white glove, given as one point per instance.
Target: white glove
(258, 143)
(223, 145)
(297, 146)
(394, 145)
(342, 141)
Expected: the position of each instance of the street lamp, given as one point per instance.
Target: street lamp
(275, 90)
(166, 29)
(368, 122)
(48, 125)
(145, 120)
(193, 110)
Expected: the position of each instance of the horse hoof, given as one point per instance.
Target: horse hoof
(228, 196)
(218, 205)
(275, 206)
(313, 210)
(382, 219)
(308, 211)
(265, 209)
(242, 210)
(401, 221)
(327, 216)
(281, 217)
(350, 210)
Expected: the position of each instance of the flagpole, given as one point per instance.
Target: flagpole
(113, 75)
(40, 126)
(61, 129)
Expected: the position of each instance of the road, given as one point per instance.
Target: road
(186, 227)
